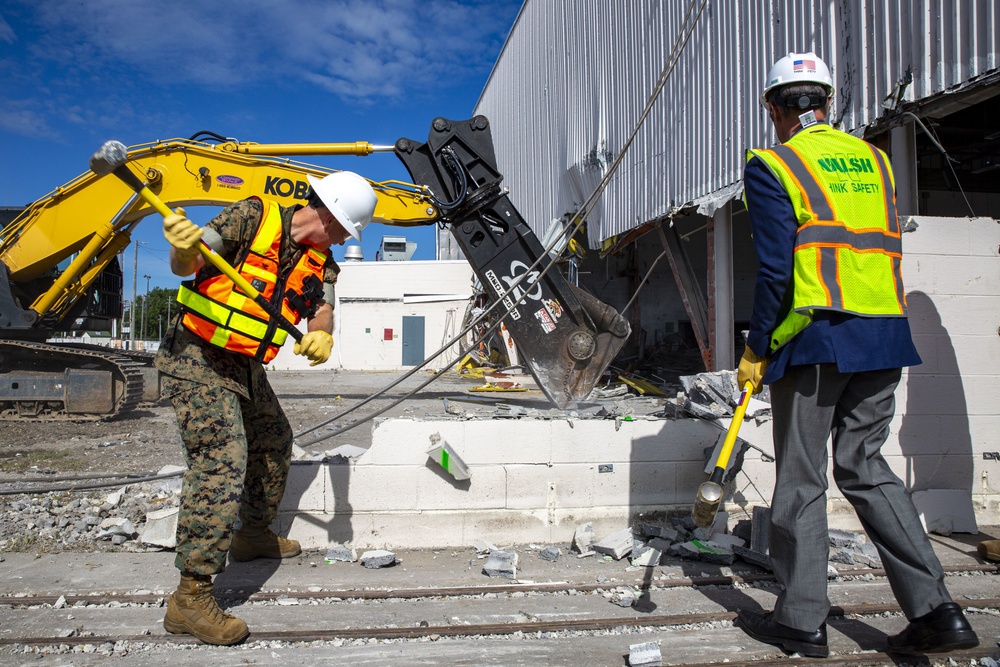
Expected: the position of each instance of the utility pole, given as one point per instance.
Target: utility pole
(131, 310)
(145, 301)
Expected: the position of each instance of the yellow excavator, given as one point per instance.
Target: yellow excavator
(59, 269)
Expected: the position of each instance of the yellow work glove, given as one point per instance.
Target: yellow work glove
(182, 234)
(316, 345)
(751, 370)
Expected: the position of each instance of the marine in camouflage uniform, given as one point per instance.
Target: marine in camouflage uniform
(237, 440)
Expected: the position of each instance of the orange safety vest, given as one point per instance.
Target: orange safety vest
(218, 312)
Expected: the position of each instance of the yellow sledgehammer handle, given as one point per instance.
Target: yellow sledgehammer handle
(111, 158)
(709, 496)
(734, 427)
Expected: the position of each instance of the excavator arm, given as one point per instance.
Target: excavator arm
(60, 270)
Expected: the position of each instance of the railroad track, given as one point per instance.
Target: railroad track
(547, 595)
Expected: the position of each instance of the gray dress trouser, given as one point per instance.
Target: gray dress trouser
(810, 403)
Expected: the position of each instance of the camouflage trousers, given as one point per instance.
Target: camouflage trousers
(238, 454)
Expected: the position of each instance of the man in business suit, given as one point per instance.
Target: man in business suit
(829, 335)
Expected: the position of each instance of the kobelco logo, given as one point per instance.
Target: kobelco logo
(286, 187)
(518, 268)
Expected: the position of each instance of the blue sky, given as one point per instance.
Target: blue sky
(78, 73)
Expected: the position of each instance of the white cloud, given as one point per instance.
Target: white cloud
(6, 32)
(360, 49)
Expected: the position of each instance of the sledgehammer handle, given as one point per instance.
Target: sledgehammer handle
(734, 428)
(131, 180)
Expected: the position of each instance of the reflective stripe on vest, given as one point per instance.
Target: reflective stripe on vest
(220, 314)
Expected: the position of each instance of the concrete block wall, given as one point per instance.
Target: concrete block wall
(535, 480)
(532, 480)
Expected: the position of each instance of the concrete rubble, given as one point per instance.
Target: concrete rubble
(377, 558)
(341, 553)
(645, 655)
(501, 564)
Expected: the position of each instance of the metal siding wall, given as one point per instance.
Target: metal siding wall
(574, 77)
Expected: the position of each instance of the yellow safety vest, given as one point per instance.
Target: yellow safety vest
(848, 249)
(219, 313)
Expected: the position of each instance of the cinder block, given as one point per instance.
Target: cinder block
(982, 393)
(307, 487)
(612, 488)
(382, 488)
(923, 397)
(652, 483)
(506, 441)
(535, 487)
(974, 354)
(948, 275)
(968, 314)
(946, 511)
(671, 439)
(405, 441)
(486, 489)
(576, 440)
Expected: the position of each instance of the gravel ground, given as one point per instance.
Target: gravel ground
(73, 454)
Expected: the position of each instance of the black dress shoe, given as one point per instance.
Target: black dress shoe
(764, 628)
(944, 629)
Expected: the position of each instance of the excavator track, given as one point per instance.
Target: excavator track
(42, 381)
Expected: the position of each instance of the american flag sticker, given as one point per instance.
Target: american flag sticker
(803, 65)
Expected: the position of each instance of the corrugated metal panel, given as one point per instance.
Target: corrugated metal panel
(574, 77)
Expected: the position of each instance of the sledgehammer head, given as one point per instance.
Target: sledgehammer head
(109, 157)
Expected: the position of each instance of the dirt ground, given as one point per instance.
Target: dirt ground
(147, 439)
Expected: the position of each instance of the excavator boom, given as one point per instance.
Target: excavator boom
(566, 335)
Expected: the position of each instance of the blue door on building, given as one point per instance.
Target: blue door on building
(413, 340)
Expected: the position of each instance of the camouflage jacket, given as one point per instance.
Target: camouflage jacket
(184, 355)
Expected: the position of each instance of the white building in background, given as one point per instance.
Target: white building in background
(393, 315)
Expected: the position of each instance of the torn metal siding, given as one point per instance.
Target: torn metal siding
(574, 77)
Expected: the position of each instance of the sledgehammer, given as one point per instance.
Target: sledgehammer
(111, 158)
(706, 503)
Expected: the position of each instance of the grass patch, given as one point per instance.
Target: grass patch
(21, 461)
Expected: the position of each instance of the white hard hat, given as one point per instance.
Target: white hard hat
(349, 197)
(797, 68)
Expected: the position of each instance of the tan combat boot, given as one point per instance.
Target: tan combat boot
(252, 542)
(989, 550)
(192, 610)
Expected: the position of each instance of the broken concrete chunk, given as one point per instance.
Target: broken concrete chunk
(583, 538)
(624, 596)
(345, 452)
(659, 544)
(109, 528)
(844, 539)
(754, 558)
(342, 553)
(842, 555)
(445, 456)
(378, 558)
(501, 564)
(645, 655)
(760, 533)
(483, 547)
(615, 545)
(550, 553)
(726, 540)
(646, 557)
(870, 553)
(656, 530)
(710, 553)
(161, 528)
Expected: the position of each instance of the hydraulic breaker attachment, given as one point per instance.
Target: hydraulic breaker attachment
(566, 337)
